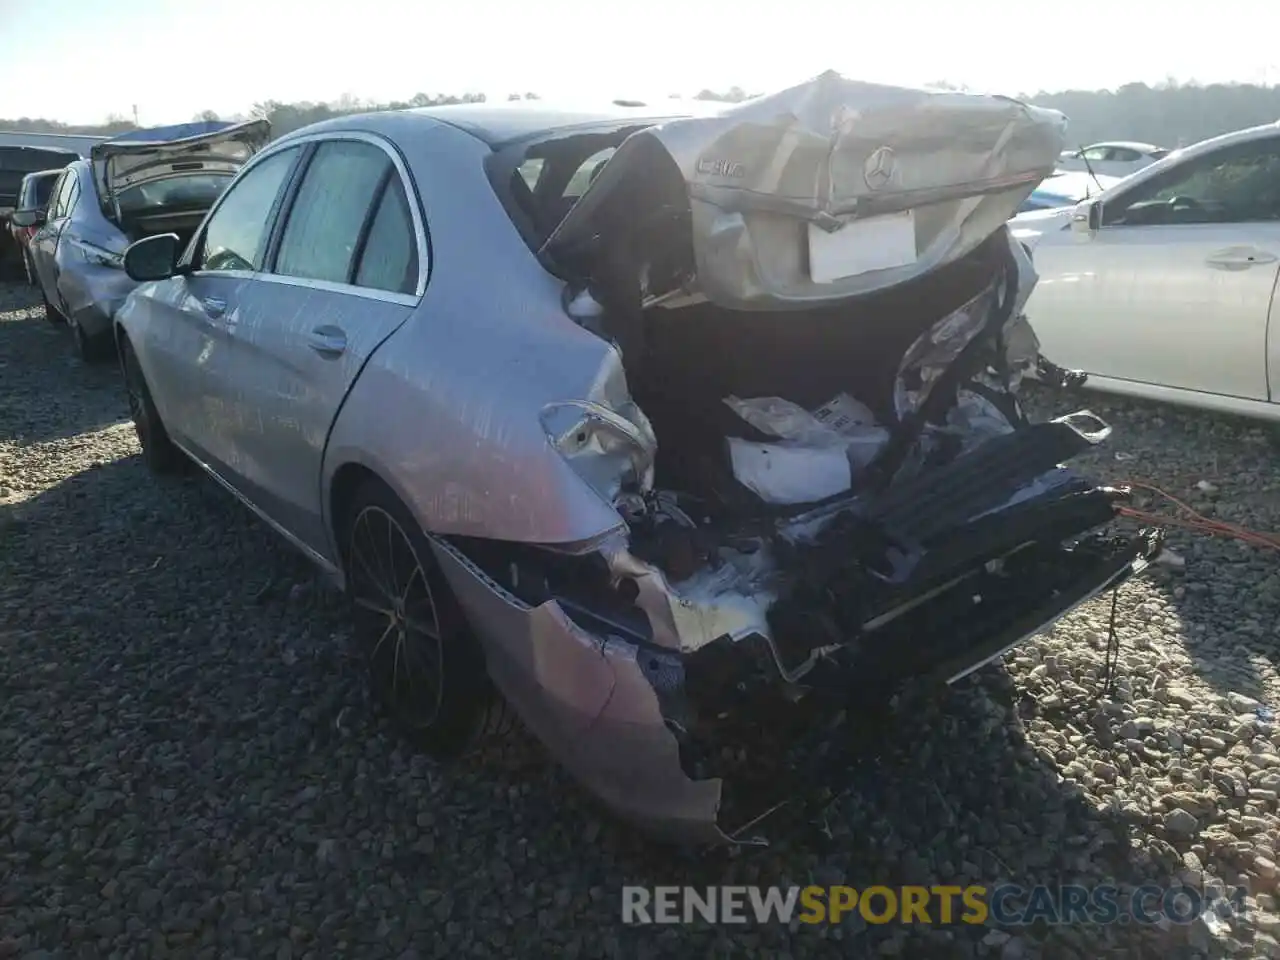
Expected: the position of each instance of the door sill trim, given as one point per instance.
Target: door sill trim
(326, 566)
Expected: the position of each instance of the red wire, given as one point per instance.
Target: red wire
(1197, 521)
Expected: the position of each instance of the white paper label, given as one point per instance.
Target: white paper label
(860, 246)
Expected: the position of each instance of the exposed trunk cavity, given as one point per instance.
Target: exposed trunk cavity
(182, 222)
(829, 486)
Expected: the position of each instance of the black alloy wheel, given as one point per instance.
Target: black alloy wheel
(158, 451)
(425, 666)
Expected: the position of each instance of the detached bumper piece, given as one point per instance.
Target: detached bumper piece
(998, 513)
(840, 728)
(937, 579)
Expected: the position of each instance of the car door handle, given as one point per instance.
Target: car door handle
(1239, 258)
(327, 341)
(215, 307)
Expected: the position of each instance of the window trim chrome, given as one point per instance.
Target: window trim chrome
(421, 237)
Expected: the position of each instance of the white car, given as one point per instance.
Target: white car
(1115, 158)
(1066, 190)
(1164, 285)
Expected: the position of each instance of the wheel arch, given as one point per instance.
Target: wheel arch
(338, 494)
(347, 479)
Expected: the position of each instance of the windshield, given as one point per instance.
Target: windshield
(196, 191)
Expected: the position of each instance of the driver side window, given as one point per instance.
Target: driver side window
(235, 236)
(1239, 184)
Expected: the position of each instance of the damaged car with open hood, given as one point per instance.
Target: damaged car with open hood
(676, 432)
(138, 184)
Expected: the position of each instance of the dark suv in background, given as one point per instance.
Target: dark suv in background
(15, 163)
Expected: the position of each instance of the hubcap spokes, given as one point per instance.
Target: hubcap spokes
(396, 617)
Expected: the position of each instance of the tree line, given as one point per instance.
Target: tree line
(1169, 114)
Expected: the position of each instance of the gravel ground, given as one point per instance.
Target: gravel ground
(189, 766)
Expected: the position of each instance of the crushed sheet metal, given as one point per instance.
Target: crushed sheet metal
(601, 443)
(928, 358)
(731, 600)
(591, 701)
(824, 152)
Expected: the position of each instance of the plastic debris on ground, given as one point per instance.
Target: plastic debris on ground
(817, 452)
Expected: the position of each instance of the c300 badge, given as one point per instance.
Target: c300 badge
(731, 169)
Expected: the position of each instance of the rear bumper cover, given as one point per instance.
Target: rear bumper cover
(613, 711)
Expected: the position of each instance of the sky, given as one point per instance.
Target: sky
(80, 60)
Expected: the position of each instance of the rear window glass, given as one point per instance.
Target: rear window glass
(39, 190)
(539, 181)
(530, 170)
(583, 176)
(32, 159)
(17, 162)
(176, 193)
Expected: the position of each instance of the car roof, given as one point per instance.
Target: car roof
(500, 123)
(37, 174)
(31, 148)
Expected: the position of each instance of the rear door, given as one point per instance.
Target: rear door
(44, 244)
(1175, 288)
(347, 267)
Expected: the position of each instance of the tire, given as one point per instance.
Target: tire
(51, 312)
(158, 451)
(91, 349)
(424, 665)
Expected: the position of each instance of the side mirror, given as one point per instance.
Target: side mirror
(1087, 216)
(152, 258)
(28, 218)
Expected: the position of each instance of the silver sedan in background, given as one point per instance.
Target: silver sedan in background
(157, 180)
(687, 431)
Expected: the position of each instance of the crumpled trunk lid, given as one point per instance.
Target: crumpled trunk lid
(830, 189)
(142, 156)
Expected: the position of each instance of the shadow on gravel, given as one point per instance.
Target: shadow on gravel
(185, 726)
(956, 797)
(1224, 604)
(37, 359)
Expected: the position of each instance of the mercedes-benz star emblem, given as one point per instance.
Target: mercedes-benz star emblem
(879, 168)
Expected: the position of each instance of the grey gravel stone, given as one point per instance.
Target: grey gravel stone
(189, 766)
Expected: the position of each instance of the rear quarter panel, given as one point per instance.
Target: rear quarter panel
(447, 410)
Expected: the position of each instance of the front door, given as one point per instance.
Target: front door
(343, 276)
(187, 320)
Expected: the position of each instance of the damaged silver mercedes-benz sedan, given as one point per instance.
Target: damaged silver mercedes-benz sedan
(685, 433)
